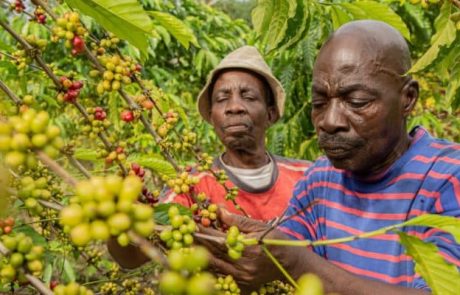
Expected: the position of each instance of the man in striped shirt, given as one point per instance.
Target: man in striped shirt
(376, 174)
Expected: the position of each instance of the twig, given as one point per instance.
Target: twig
(32, 280)
(56, 168)
(281, 220)
(79, 166)
(10, 93)
(280, 267)
(51, 205)
(45, 7)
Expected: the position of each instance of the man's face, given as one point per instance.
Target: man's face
(239, 111)
(357, 107)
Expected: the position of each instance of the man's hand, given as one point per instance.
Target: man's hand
(254, 268)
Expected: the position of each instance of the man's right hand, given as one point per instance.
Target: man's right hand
(254, 268)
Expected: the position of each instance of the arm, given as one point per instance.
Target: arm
(255, 268)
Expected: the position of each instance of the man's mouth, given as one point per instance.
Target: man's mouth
(237, 127)
(338, 152)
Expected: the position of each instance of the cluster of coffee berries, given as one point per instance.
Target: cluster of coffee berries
(36, 42)
(181, 234)
(188, 139)
(131, 286)
(182, 184)
(127, 116)
(40, 15)
(97, 121)
(117, 70)
(137, 170)
(150, 197)
(104, 207)
(205, 162)
(20, 59)
(17, 6)
(109, 288)
(32, 190)
(232, 193)
(6, 225)
(23, 257)
(117, 155)
(185, 276)
(71, 89)
(204, 212)
(227, 286)
(110, 42)
(234, 242)
(144, 101)
(170, 119)
(309, 284)
(28, 131)
(71, 289)
(70, 28)
(277, 288)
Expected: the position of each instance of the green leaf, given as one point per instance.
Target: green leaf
(85, 154)
(154, 162)
(69, 271)
(30, 232)
(442, 277)
(47, 273)
(176, 27)
(261, 16)
(296, 28)
(377, 11)
(444, 37)
(161, 212)
(339, 17)
(278, 23)
(449, 224)
(125, 18)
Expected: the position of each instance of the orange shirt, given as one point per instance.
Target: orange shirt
(263, 204)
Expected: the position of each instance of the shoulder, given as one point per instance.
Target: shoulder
(441, 155)
(291, 164)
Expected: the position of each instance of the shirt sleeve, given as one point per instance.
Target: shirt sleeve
(448, 204)
(300, 224)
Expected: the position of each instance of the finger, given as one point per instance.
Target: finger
(216, 247)
(226, 268)
(210, 231)
(245, 224)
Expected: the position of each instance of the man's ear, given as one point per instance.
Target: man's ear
(409, 97)
(273, 115)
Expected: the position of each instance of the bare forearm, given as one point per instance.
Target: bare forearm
(127, 257)
(341, 281)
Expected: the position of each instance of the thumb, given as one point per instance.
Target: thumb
(244, 224)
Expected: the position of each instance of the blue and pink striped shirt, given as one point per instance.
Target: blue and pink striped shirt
(426, 179)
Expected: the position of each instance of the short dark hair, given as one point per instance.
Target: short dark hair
(269, 97)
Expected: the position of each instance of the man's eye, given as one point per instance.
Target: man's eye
(318, 104)
(358, 103)
(221, 99)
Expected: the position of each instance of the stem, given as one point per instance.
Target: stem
(51, 205)
(32, 280)
(54, 166)
(79, 166)
(280, 267)
(10, 94)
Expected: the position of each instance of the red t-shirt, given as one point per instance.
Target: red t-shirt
(263, 204)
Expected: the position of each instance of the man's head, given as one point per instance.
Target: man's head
(361, 96)
(242, 99)
(241, 108)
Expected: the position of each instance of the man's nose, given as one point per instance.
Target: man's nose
(235, 105)
(334, 119)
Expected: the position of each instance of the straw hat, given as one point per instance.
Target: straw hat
(249, 58)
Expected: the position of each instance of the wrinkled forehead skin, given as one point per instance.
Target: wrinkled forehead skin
(363, 48)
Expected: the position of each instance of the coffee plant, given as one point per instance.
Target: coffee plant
(96, 121)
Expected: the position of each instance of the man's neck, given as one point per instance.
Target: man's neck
(246, 159)
(396, 153)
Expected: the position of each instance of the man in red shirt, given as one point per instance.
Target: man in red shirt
(241, 100)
